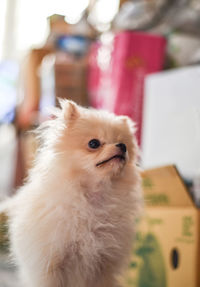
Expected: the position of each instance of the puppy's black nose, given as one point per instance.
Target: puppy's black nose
(122, 147)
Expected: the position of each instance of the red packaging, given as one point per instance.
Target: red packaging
(93, 75)
(120, 86)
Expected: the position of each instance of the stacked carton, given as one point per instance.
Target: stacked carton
(166, 251)
(70, 78)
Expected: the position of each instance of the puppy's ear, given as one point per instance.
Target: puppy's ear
(127, 121)
(71, 113)
(70, 110)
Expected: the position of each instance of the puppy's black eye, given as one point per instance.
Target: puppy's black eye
(94, 143)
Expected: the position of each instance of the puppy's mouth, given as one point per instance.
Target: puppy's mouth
(119, 156)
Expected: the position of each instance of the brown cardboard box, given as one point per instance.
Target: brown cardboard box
(71, 78)
(166, 250)
(3, 233)
(70, 83)
(31, 81)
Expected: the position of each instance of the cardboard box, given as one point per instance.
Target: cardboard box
(4, 243)
(70, 78)
(166, 250)
(32, 91)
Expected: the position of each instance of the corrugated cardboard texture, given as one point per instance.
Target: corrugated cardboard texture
(163, 233)
(164, 187)
(166, 249)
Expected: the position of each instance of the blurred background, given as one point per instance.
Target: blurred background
(140, 58)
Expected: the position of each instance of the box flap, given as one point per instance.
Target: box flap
(164, 187)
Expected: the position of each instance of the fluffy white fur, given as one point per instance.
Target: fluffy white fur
(72, 223)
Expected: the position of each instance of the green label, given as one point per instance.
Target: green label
(157, 199)
(154, 221)
(147, 182)
(151, 271)
(187, 224)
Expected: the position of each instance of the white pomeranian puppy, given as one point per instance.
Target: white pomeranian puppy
(72, 223)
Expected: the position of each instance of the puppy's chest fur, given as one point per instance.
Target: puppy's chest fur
(97, 230)
(78, 232)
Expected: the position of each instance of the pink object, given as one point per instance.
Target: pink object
(93, 75)
(120, 85)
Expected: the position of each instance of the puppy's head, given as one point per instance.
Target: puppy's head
(94, 143)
